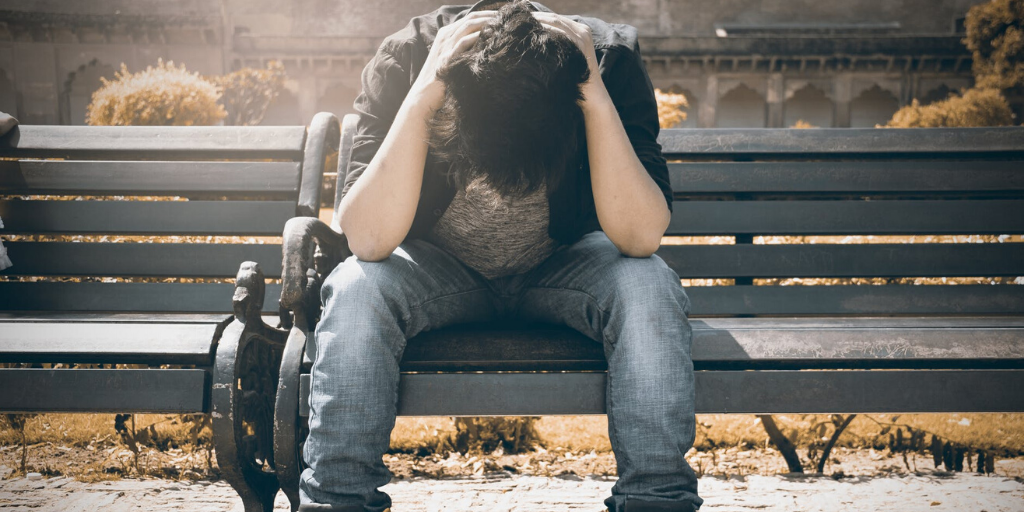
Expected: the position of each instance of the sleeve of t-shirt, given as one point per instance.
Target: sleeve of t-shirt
(632, 93)
(385, 83)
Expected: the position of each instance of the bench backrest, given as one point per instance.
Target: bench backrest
(847, 184)
(156, 200)
(745, 184)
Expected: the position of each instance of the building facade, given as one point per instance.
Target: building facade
(740, 63)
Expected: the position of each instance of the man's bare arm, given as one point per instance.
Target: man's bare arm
(377, 212)
(630, 206)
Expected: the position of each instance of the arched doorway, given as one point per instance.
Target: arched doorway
(79, 87)
(741, 107)
(8, 96)
(937, 94)
(810, 105)
(873, 106)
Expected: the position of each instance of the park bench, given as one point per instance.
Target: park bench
(155, 317)
(757, 349)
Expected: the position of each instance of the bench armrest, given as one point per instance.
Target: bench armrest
(311, 250)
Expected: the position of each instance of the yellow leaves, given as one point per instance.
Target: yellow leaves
(165, 95)
(976, 107)
(670, 107)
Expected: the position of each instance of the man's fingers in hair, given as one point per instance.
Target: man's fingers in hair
(557, 30)
(466, 42)
(464, 26)
(567, 25)
(480, 14)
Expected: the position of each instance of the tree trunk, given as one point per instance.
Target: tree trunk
(832, 442)
(781, 442)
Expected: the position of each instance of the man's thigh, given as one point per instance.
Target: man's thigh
(423, 286)
(581, 284)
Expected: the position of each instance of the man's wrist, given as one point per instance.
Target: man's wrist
(424, 100)
(595, 96)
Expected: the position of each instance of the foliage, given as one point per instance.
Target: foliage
(512, 434)
(670, 106)
(976, 107)
(164, 95)
(995, 37)
(248, 92)
(16, 422)
(950, 455)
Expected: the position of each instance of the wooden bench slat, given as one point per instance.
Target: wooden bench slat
(112, 391)
(729, 142)
(924, 217)
(100, 342)
(845, 260)
(740, 343)
(140, 260)
(717, 392)
(838, 176)
(121, 297)
(154, 142)
(111, 318)
(856, 300)
(147, 217)
(147, 178)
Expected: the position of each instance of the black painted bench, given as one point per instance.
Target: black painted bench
(156, 316)
(757, 348)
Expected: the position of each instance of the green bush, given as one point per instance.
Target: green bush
(164, 95)
(976, 107)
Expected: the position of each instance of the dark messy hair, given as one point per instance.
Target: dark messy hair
(511, 112)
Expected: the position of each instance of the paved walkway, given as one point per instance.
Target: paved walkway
(963, 492)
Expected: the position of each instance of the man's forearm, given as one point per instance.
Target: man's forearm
(630, 206)
(378, 210)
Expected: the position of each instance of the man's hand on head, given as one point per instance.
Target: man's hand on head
(451, 40)
(579, 34)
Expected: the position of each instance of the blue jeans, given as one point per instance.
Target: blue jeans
(636, 307)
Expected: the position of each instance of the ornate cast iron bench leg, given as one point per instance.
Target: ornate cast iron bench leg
(245, 381)
(311, 250)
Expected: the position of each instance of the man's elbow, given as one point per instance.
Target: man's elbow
(369, 251)
(640, 248)
(365, 245)
(637, 245)
(641, 243)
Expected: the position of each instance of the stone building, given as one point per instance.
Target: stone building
(749, 63)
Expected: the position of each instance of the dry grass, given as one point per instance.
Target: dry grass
(997, 431)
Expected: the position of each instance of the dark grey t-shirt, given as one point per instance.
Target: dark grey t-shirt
(493, 234)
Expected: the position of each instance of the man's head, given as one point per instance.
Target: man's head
(511, 113)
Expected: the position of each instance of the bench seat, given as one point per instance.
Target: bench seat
(154, 339)
(946, 364)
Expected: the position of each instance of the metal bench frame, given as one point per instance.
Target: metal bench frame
(756, 349)
(196, 357)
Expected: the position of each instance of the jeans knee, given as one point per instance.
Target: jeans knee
(361, 302)
(647, 283)
(355, 281)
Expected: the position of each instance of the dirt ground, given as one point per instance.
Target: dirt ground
(732, 480)
(775, 493)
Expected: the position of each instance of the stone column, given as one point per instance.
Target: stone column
(843, 96)
(706, 116)
(775, 97)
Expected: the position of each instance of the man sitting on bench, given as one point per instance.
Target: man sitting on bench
(505, 165)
